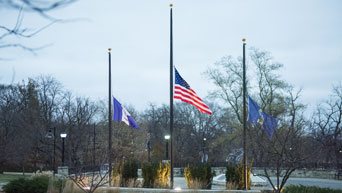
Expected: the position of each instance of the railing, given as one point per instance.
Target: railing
(86, 169)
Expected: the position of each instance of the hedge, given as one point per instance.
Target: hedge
(27, 185)
(309, 189)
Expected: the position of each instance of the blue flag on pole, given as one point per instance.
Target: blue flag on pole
(253, 111)
(121, 114)
(257, 116)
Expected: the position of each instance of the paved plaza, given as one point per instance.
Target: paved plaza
(323, 183)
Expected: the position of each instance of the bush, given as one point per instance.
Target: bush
(163, 174)
(309, 189)
(198, 176)
(130, 170)
(124, 173)
(156, 175)
(27, 185)
(234, 176)
(149, 173)
(231, 177)
(56, 185)
(15, 186)
(230, 173)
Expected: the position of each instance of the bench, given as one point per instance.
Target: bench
(338, 174)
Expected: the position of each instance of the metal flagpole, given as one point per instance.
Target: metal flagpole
(110, 120)
(244, 116)
(171, 98)
(94, 138)
(54, 150)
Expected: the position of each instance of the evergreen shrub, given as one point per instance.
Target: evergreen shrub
(27, 185)
(156, 175)
(149, 173)
(234, 175)
(198, 176)
(125, 172)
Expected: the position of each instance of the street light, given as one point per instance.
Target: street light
(51, 135)
(167, 137)
(63, 136)
(204, 140)
(148, 147)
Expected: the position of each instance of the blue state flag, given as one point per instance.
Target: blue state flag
(253, 113)
(121, 114)
(257, 116)
(269, 124)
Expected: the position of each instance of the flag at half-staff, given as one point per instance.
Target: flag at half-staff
(183, 92)
(121, 114)
(257, 116)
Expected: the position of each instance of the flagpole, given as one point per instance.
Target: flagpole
(245, 173)
(110, 119)
(171, 97)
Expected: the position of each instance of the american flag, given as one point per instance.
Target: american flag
(184, 93)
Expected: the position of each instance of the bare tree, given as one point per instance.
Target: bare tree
(28, 110)
(190, 129)
(275, 97)
(42, 7)
(89, 181)
(8, 115)
(284, 153)
(327, 126)
(17, 30)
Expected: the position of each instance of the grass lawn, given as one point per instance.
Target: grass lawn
(9, 177)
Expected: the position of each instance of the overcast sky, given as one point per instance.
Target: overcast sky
(304, 35)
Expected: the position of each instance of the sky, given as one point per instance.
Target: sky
(303, 35)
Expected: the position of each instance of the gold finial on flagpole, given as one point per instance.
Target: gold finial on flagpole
(244, 40)
(171, 5)
(109, 49)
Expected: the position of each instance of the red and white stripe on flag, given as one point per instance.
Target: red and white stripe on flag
(190, 96)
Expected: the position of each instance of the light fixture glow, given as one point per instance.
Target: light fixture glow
(167, 137)
(63, 135)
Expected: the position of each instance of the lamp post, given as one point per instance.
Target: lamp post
(148, 147)
(51, 135)
(63, 136)
(339, 166)
(167, 137)
(203, 147)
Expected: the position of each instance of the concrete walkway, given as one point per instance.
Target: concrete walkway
(322, 183)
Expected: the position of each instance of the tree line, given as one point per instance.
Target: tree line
(29, 109)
